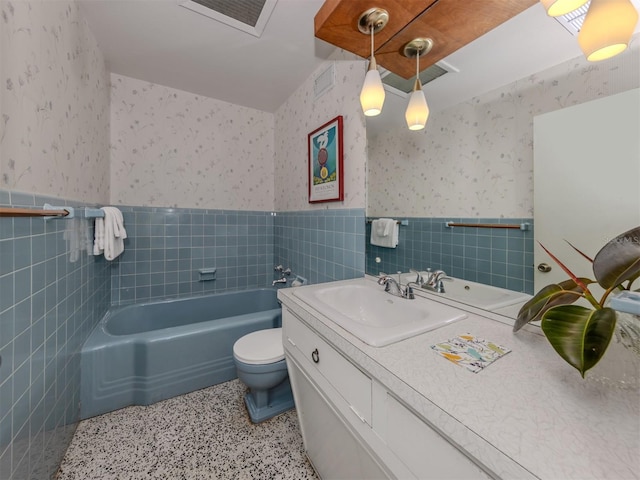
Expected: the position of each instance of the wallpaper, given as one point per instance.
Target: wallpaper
(54, 102)
(475, 159)
(301, 114)
(171, 148)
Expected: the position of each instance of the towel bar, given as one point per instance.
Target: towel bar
(404, 222)
(515, 226)
(93, 213)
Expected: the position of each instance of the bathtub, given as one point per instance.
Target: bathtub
(141, 354)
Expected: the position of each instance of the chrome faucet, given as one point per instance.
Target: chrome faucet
(282, 280)
(394, 288)
(434, 282)
(419, 278)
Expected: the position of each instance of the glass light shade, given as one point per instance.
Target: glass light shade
(417, 111)
(607, 28)
(557, 8)
(372, 94)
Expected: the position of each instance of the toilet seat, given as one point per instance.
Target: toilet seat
(260, 348)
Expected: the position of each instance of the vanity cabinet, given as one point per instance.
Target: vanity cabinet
(352, 427)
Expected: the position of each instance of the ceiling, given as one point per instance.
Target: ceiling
(161, 42)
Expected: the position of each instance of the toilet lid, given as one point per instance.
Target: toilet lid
(261, 347)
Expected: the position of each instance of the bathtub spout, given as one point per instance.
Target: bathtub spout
(282, 280)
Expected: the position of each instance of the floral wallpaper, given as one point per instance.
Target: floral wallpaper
(54, 102)
(171, 148)
(301, 114)
(475, 159)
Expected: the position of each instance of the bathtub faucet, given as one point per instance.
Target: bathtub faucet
(282, 280)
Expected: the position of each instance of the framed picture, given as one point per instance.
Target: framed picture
(326, 183)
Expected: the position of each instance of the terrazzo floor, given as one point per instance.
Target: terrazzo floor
(202, 435)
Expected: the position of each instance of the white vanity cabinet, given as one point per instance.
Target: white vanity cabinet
(354, 428)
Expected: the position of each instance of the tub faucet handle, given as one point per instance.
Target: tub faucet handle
(281, 269)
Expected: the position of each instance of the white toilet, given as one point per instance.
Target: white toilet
(261, 366)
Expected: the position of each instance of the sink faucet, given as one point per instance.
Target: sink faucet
(419, 278)
(434, 281)
(394, 288)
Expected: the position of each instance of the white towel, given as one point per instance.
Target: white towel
(109, 234)
(384, 232)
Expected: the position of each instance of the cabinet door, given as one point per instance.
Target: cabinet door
(331, 447)
(427, 454)
(353, 385)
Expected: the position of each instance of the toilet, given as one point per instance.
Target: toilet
(261, 366)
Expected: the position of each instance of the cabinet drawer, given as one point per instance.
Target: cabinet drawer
(423, 450)
(353, 385)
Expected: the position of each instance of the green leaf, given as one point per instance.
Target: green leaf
(579, 335)
(619, 260)
(555, 294)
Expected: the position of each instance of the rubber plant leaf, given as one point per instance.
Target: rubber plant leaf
(579, 335)
(587, 257)
(619, 260)
(562, 293)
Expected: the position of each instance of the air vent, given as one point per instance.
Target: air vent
(324, 81)
(250, 16)
(403, 86)
(572, 21)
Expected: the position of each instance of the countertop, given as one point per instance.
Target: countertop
(527, 415)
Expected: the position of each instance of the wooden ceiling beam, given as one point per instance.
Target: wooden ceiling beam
(451, 24)
(337, 22)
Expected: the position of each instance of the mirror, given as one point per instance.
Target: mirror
(474, 161)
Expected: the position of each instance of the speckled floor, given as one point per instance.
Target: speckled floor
(202, 435)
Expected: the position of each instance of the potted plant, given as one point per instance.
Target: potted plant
(581, 334)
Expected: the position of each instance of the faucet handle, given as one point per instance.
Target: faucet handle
(408, 293)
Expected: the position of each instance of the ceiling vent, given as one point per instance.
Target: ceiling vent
(572, 21)
(403, 87)
(250, 16)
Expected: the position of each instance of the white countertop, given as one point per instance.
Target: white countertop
(527, 415)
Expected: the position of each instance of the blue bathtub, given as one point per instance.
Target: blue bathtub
(141, 354)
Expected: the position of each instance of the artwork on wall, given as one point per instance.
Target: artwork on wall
(326, 183)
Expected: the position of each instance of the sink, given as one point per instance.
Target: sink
(476, 294)
(377, 318)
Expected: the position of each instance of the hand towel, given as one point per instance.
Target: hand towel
(110, 233)
(384, 232)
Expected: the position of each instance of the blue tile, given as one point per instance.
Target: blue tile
(19, 199)
(6, 257)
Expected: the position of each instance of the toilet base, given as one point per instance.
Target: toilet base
(280, 400)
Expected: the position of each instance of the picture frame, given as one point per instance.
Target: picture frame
(325, 176)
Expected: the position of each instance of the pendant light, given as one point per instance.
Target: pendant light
(607, 28)
(557, 8)
(372, 93)
(417, 112)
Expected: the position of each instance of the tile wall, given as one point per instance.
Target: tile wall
(52, 294)
(166, 247)
(498, 257)
(321, 245)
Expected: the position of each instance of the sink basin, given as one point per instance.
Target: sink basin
(377, 318)
(476, 294)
